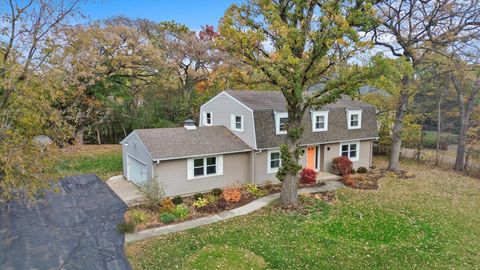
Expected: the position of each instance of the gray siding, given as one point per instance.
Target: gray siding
(222, 107)
(136, 149)
(365, 157)
(172, 175)
(261, 169)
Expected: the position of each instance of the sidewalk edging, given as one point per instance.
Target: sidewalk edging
(240, 211)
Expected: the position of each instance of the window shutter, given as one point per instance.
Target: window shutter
(220, 165)
(189, 168)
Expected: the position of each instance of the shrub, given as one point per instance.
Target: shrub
(201, 202)
(211, 198)
(232, 194)
(255, 191)
(216, 192)
(153, 194)
(181, 211)
(167, 206)
(268, 184)
(126, 227)
(308, 176)
(167, 217)
(138, 216)
(177, 200)
(353, 171)
(342, 165)
(362, 170)
(347, 180)
(197, 196)
(221, 204)
(360, 178)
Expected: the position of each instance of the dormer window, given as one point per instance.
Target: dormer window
(319, 121)
(354, 119)
(237, 122)
(208, 119)
(280, 122)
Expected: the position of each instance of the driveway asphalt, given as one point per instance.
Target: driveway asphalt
(74, 228)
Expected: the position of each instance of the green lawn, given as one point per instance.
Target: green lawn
(427, 222)
(430, 139)
(103, 160)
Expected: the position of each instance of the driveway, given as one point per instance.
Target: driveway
(126, 190)
(74, 228)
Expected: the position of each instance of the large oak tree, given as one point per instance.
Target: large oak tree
(294, 45)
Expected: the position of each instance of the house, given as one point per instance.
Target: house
(238, 140)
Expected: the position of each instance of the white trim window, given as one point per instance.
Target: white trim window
(204, 167)
(350, 150)
(280, 121)
(274, 161)
(208, 118)
(354, 118)
(237, 122)
(319, 121)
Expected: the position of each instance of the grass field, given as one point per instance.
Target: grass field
(430, 139)
(103, 160)
(427, 222)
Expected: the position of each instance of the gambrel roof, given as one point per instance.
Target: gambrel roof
(264, 104)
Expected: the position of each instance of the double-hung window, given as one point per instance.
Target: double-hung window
(320, 121)
(205, 166)
(354, 118)
(280, 122)
(208, 119)
(236, 122)
(274, 161)
(350, 150)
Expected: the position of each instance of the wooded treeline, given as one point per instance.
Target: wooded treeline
(96, 82)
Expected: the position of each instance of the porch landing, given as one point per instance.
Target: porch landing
(325, 176)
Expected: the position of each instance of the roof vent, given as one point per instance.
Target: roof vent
(189, 124)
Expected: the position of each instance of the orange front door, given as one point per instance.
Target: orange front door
(311, 157)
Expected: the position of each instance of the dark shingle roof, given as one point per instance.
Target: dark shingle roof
(274, 100)
(74, 228)
(264, 103)
(172, 143)
(337, 128)
(260, 100)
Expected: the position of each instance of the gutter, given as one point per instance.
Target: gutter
(201, 155)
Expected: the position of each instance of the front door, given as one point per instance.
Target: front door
(311, 154)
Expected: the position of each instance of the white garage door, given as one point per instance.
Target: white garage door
(137, 171)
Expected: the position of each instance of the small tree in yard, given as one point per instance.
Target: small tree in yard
(293, 45)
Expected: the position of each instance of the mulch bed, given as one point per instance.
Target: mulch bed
(369, 180)
(211, 209)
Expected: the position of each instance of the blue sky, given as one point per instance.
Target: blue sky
(193, 13)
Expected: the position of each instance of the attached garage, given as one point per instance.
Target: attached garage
(186, 160)
(136, 170)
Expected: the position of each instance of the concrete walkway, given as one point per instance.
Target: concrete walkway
(126, 190)
(240, 211)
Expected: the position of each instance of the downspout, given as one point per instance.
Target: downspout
(155, 163)
(254, 153)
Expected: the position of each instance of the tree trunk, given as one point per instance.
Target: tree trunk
(467, 159)
(290, 166)
(394, 162)
(97, 130)
(462, 140)
(79, 137)
(439, 129)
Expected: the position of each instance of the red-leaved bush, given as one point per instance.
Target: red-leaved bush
(342, 165)
(308, 176)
